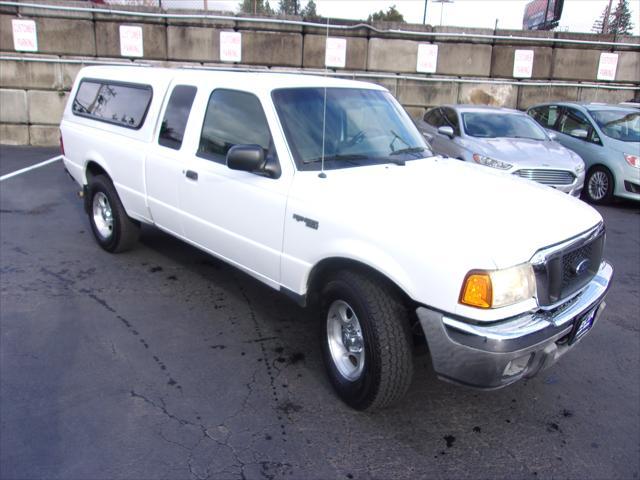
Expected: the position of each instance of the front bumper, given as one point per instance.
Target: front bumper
(495, 355)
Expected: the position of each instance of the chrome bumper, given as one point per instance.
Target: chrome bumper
(498, 354)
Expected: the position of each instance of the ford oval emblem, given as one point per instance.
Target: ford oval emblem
(581, 266)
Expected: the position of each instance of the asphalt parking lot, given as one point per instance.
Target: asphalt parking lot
(165, 363)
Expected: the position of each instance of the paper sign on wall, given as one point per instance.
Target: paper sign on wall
(607, 66)
(523, 63)
(427, 58)
(25, 38)
(335, 54)
(131, 41)
(230, 46)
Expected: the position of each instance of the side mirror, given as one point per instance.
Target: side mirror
(552, 135)
(247, 158)
(579, 133)
(446, 131)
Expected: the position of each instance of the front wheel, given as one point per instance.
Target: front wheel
(112, 228)
(366, 341)
(599, 185)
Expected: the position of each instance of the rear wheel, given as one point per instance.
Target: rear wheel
(366, 341)
(112, 228)
(599, 185)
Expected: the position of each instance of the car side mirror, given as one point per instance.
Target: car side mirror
(248, 158)
(446, 131)
(552, 135)
(579, 133)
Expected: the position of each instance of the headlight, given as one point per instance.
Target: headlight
(580, 167)
(633, 160)
(491, 162)
(498, 288)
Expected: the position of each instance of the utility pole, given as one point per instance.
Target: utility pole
(442, 2)
(424, 17)
(605, 23)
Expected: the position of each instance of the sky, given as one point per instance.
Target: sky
(577, 15)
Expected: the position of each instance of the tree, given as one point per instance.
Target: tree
(620, 22)
(617, 21)
(289, 7)
(309, 11)
(598, 25)
(256, 7)
(391, 15)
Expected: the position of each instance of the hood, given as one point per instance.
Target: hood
(526, 153)
(438, 205)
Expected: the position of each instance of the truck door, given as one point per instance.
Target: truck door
(236, 215)
(166, 161)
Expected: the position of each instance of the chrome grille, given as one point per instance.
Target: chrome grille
(564, 269)
(547, 177)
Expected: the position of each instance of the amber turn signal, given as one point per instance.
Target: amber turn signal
(476, 290)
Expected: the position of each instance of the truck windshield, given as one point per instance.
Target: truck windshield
(501, 125)
(363, 127)
(622, 125)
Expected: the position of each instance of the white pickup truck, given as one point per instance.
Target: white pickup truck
(324, 189)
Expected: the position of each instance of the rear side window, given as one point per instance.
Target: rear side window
(176, 116)
(232, 118)
(545, 116)
(123, 104)
(434, 117)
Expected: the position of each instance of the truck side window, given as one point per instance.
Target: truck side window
(232, 118)
(123, 104)
(176, 116)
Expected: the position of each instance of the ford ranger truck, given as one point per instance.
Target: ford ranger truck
(325, 190)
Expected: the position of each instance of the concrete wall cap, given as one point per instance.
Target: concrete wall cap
(41, 12)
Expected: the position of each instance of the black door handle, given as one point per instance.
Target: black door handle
(191, 175)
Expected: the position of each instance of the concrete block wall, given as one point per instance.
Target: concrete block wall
(32, 95)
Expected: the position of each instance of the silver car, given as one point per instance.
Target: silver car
(504, 139)
(607, 137)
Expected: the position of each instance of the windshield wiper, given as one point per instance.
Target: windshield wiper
(408, 150)
(527, 138)
(346, 157)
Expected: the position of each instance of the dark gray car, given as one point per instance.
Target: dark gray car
(503, 139)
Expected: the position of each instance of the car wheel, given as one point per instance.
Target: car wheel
(598, 186)
(366, 341)
(112, 228)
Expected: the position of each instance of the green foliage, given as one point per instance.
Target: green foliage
(309, 11)
(289, 7)
(256, 7)
(621, 19)
(618, 21)
(391, 15)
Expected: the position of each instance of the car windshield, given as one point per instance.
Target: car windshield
(623, 125)
(362, 127)
(501, 125)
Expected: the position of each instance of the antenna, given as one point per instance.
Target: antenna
(324, 105)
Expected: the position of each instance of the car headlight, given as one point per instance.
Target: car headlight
(633, 160)
(491, 162)
(580, 167)
(498, 288)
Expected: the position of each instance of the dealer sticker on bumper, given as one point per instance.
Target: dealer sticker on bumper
(583, 324)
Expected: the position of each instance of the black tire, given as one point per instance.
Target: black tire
(388, 362)
(123, 232)
(598, 186)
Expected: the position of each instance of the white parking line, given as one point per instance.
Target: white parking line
(32, 167)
